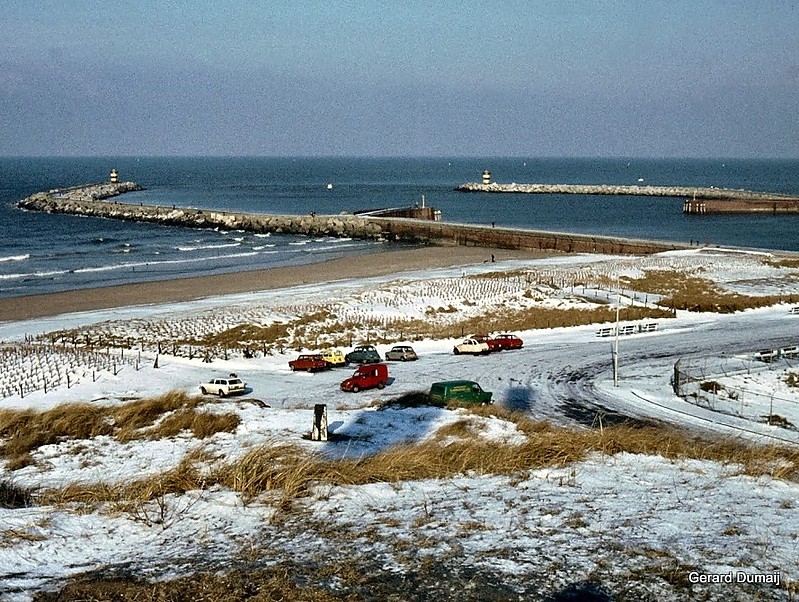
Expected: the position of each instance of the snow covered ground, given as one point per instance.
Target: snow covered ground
(628, 526)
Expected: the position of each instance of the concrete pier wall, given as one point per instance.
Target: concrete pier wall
(424, 231)
(761, 206)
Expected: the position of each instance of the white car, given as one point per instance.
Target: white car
(223, 386)
(472, 347)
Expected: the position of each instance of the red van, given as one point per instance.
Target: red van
(367, 376)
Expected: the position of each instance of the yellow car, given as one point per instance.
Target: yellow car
(334, 357)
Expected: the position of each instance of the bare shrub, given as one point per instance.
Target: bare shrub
(14, 496)
(711, 386)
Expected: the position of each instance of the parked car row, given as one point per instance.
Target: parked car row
(362, 354)
(369, 376)
(484, 344)
(372, 373)
(310, 362)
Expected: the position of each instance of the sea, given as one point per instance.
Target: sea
(42, 253)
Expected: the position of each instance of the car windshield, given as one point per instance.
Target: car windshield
(235, 381)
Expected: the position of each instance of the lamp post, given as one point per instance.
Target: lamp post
(616, 342)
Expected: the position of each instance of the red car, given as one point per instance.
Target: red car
(310, 362)
(367, 376)
(507, 341)
(492, 343)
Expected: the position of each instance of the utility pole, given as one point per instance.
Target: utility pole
(616, 342)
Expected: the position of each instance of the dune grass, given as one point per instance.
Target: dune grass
(24, 431)
(287, 472)
(282, 475)
(681, 291)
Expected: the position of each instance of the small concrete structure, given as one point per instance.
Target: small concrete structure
(319, 430)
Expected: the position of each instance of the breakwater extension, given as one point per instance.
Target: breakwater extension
(84, 201)
(699, 199)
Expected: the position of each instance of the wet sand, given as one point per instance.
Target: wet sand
(187, 289)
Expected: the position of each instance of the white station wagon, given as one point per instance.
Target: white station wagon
(472, 347)
(223, 386)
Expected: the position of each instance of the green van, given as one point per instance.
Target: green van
(463, 391)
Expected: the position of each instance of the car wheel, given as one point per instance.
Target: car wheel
(310, 369)
(381, 385)
(457, 352)
(203, 391)
(221, 393)
(355, 388)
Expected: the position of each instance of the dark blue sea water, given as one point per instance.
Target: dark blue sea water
(44, 253)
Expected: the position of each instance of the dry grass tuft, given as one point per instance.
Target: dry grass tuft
(186, 476)
(289, 472)
(282, 468)
(24, 431)
(131, 417)
(201, 424)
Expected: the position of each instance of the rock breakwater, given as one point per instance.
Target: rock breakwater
(610, 189)
(87, 192)
(81, 201)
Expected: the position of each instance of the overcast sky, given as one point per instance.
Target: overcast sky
(648, 78)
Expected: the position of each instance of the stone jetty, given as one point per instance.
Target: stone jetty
(611, 189)
(98, 201)
(87, 192)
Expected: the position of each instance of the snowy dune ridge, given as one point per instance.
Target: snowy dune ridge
(623, 526)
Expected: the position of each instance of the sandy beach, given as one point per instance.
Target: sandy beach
(187, 289)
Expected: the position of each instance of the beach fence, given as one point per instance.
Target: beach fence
(715, 383)
(30, 366)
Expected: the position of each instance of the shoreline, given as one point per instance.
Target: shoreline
(44, 305)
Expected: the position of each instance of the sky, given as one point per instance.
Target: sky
(628, 78)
